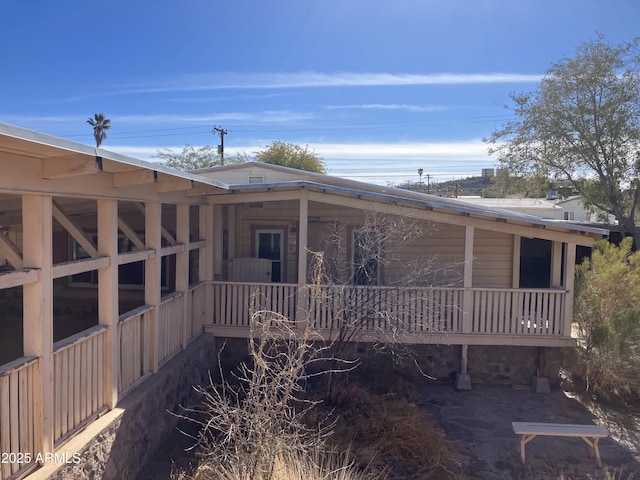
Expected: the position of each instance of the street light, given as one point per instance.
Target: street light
(420, 173)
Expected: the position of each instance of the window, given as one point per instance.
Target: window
(569, 215)
(256, 179)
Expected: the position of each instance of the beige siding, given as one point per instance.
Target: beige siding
(493, 259)
(439, 250)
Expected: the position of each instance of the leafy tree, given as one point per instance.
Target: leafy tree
(583, 124)
(607, 308)
(193, 158)
(292, 156)
(100, 125)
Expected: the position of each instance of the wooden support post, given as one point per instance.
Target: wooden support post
(37, 224)
(303, 228)
(231, 232)
(152, 278)
(215, 220)
(556, 264)
(108, 297)
(464, 360)
(211, 255)
(467, 299)
(570, 271)
(515, 279)
(182, 269)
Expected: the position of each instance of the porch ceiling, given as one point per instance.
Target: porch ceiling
(59, 166)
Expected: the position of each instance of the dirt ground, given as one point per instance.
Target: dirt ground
(479, 421)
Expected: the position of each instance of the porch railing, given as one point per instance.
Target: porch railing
(491, 311)
(518, 311)
(78, 386)
(134, 337)
(17, 434)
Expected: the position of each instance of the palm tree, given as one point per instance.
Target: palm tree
(100, 124)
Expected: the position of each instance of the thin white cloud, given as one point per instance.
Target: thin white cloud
(175, 119)
(295, 80)
(385, 106)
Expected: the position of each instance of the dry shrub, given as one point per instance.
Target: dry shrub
(390, 435)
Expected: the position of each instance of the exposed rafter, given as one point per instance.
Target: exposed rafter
(70, 166)
(142, 176)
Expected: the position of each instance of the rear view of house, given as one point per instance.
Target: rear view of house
(112, 268)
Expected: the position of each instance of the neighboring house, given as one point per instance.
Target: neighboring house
(571, 209)
(110, 266)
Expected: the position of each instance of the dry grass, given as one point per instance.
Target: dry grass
(288, 467)
(388, 435)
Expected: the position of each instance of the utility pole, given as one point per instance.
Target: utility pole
(222, 132)
(428, 184)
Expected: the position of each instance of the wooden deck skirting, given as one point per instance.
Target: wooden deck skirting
(419, 315)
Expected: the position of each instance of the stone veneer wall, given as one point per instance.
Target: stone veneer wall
(494, 365)
(130, 441)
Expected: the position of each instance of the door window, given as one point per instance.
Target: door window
(269, 244)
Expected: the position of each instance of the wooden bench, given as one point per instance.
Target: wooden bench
(591, 434)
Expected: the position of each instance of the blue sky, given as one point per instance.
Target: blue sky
(377, 88)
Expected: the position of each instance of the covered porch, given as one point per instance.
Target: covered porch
(491, 277)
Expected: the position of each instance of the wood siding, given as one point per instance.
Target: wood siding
(492, 259)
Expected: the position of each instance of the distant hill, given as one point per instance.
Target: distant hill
(466, 186)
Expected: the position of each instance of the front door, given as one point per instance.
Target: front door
(270, 244)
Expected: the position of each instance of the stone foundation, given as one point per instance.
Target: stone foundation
(118, 445)
(496, 365)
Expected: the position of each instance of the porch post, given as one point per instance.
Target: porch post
(182, 268)
(37, 225)
(108, 296)
(152, 277)
(556, 264)
(211, 255)
(303, 229)
(467, 300)
(215, 222)
(515, 280)
(231, 232)
(570, 271)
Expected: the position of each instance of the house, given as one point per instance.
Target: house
(569, 209)
(116, 272)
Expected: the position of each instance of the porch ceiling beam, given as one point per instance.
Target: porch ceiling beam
(200, 190)
(163, 231)
(141, 176)
(74, 230)
(434, 215)
(273, 196)
(10, 251)
(131, 234)
(70, 166)
(173, 184)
